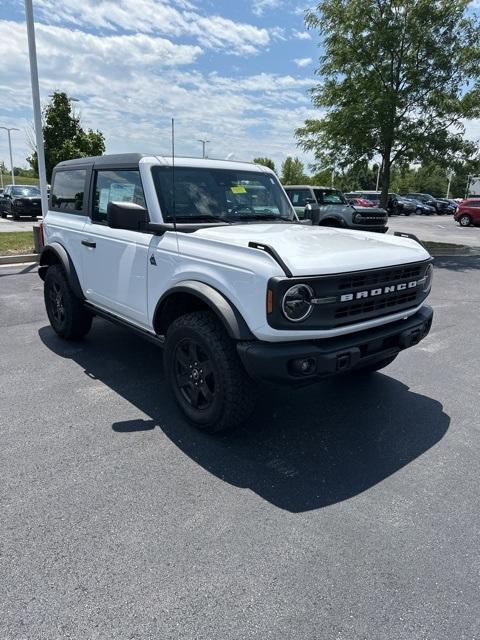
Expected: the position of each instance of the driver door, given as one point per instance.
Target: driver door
(115, 260)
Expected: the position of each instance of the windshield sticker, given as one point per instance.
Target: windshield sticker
(238, 189)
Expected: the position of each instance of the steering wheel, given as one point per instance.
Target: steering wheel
(241, 207)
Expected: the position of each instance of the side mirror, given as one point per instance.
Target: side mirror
(126, 215)
(310, 201)
(312, 212)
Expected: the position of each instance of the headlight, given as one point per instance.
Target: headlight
(297, 302)
(427, 285)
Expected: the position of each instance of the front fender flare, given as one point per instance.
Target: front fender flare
(55, 253)
(225, 311)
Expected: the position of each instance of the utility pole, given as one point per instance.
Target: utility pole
(378, 174)
(450, 175)
(8, 129)
(37, 112)
(204, 142)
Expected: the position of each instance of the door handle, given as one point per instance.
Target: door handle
(87, 243)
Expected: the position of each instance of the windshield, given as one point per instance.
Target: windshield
(220, 195)
(329, 196)
(25, 191)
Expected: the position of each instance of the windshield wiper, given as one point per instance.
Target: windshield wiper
(259, 216)
(198, 218)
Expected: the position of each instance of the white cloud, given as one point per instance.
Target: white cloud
(158, 17)
(129, 86)
(260, 6)
(301, 35)
(303, 62)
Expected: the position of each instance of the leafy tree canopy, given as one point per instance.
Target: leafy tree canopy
(293, 172)
(64, 138)
(266, 162)
(397, 80)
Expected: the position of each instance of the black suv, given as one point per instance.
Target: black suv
(21, 200)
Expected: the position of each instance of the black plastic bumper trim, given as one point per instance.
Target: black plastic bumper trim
(271, 361)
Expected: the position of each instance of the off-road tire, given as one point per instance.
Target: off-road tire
(4, 214)
(67, 315)
(376, 366)
(465, 220)
(233, 397)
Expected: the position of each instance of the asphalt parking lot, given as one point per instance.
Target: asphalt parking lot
(344, 511)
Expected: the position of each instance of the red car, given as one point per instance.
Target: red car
(360, 202)
(468, 212)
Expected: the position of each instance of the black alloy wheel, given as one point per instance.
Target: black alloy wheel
(56, 304)
(194, 374)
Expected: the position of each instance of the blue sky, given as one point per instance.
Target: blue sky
(236, 73)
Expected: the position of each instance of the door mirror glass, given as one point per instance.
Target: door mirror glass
(126, 215)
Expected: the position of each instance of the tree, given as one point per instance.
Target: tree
(398, 78)
(64, 138)
(293, 171)
(266, 162)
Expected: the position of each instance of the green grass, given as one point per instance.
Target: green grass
(7, 179)
(16, 242)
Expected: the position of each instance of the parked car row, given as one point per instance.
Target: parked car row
(406, 204)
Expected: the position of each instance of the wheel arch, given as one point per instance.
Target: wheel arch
(191, 295)
(55, 253)
(332, 221)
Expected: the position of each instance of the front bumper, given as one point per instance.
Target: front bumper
(274, 362)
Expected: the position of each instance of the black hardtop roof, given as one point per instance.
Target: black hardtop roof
(108, 159)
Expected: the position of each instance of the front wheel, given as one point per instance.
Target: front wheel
(67, 315)
(465, 220)
(205, 374)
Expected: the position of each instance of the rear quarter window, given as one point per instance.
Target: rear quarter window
(68, 191)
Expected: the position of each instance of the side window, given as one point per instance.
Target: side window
(68, 190)
(299, 197)
(118, 185)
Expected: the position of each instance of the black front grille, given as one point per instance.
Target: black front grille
(379, 277)
(374, 305)
(342, 299)
(373, 220)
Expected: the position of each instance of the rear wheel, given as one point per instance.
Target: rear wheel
(376, 366)
(67, 315)
(465, 220)
(205, 374)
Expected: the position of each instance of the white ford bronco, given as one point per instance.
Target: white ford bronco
(208, 259)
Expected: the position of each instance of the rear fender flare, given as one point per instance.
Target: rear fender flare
(55, 253)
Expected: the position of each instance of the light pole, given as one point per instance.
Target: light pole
(37, 112)
(450, 175)
(378, 174)
(204, 142)
(8, 129)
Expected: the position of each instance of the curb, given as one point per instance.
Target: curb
(29, 257)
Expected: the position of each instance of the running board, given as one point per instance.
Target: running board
(158, 340)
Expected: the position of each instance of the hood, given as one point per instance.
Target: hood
(309, 251)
